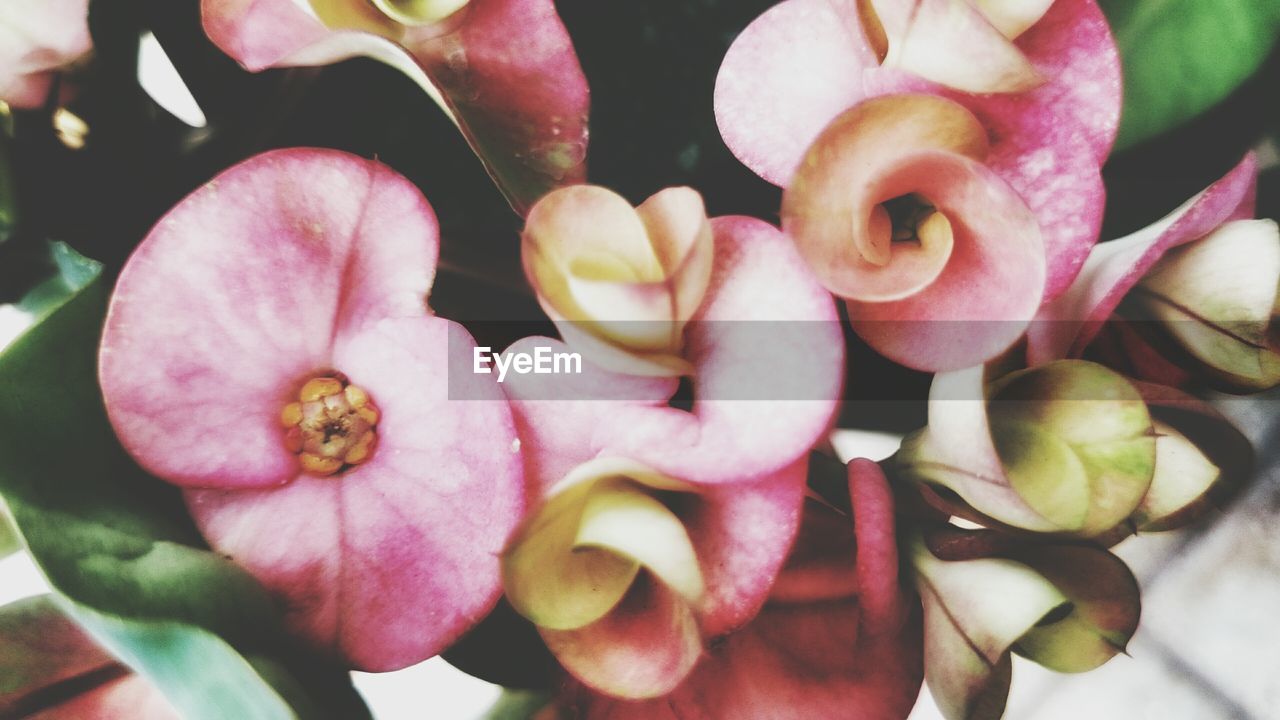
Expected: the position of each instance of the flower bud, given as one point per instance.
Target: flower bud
(1069, 608)
(1217, 298)
(1066, 448)
(621, 282)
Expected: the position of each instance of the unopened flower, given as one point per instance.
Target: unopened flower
(838, 636)
(1193, 295)
(1067, 448)
(1048, 101)
(621, 282)
(1070, 608)
(37, 40)
(939, 259)
(269, 349)
(505, 71)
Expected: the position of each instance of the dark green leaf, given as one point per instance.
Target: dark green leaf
(119, 545)
(1182, 57)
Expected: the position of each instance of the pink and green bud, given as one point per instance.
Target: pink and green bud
(1070, 608)
(621, 282)
(1066, 449)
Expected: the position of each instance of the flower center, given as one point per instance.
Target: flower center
(904, 220)
(331, 426)
(906, 214)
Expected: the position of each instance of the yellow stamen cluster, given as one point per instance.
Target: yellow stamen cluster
(331, 426)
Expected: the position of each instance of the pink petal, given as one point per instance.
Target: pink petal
(788, 74)
(390, 562)
(239, 293)
(1065, 326)
(506, 71)
(128, 698)
(37, 39)
(765, 326)
(742, 535)
(879, 592)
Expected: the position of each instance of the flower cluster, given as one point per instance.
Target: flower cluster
(668, 520)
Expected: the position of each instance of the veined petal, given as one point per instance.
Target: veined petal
(422, 522)
(259, 270)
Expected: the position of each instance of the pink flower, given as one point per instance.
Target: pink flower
(37, 40)
(1048, 114)
(269, 349)
(837, 638)
(504, 70)
(1194, 294)
(706, 501)
(763, 351)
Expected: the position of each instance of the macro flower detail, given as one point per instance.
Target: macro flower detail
(940, 261)
(763, 352)
(627, 573)
(1067, 448)
(37, 40)
(816, 59)
(837, 637)
(1070, 608)
(1193, 295)
(297, 392)
(620, 282)
(503, 70)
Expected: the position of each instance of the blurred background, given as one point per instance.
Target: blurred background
(162, 111)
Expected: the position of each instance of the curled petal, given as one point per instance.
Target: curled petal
(195, 392)
(421, 524)
(521, 105)
(1066, 325)
(961, 291)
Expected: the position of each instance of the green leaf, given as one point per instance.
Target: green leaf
(120, 547)
(1182, 57)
